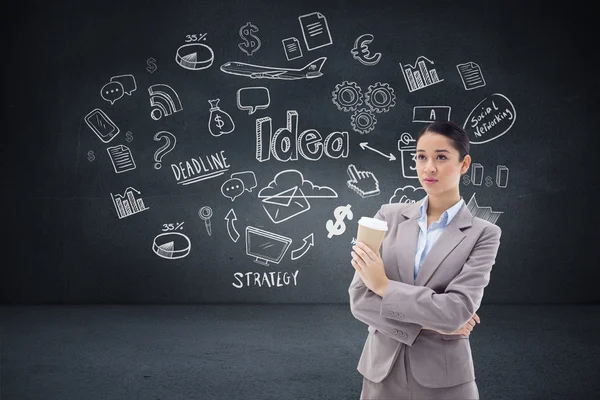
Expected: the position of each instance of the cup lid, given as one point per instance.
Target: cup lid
(373, 223)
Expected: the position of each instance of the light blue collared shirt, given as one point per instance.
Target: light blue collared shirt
(427, 237)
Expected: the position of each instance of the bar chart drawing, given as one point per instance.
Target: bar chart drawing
(127, 204)
(417, 76)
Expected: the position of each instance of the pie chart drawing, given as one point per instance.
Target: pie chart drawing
(171, 245)
(194, 56)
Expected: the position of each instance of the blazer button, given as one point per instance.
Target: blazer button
(401, 316)
(392, 313)
(396, 331)
(404, 336)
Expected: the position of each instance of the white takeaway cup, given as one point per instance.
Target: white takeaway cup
(371, 232)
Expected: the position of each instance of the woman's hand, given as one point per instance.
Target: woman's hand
(465, 330)
(370, 268)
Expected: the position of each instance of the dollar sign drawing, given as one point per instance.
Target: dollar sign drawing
(251, 42)
(91, 156)
(488, 181)
(338, 227)
(466, 180)
(151, 65)
(219, 121)
(129, 136)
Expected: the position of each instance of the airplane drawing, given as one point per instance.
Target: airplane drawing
(311, 70)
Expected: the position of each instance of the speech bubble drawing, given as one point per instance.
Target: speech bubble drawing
(127, 81)
(112, 92)
(253, 98)
(248, 178)
(232, 188)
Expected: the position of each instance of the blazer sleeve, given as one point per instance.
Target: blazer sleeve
(366, 306)
(450, 310)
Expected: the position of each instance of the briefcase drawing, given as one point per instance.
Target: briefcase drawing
(286, 204)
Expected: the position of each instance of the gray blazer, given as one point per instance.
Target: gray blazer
(447, 292)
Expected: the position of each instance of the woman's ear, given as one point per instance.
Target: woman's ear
(466, 163)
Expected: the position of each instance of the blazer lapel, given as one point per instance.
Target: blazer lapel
(408, 234)
(444, 244)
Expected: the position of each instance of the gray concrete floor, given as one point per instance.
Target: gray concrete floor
(283, 352)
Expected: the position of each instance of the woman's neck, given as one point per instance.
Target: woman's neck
(436, 205)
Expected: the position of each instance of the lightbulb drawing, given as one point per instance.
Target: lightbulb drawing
(205, 213)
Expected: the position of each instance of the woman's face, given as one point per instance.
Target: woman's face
(438, 164)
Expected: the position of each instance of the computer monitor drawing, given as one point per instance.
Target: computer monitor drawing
(265, 246)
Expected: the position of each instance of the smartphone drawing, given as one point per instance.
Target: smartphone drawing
(102, 126)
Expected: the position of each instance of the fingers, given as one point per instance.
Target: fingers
(358, 269)
(358, 260)
(352, 172)
(359, 248)
(365, 252)
(468, 327)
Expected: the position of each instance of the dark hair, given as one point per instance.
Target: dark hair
(456, 134)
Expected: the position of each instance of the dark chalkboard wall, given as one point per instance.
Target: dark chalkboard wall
(521, 79)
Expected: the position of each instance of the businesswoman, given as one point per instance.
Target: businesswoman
(420, 294)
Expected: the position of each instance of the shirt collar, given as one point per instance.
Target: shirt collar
(447, 215)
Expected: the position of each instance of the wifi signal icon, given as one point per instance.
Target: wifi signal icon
(164, 101)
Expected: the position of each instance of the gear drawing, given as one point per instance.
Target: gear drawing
(380, 97)
(363, 121)
(347, 96)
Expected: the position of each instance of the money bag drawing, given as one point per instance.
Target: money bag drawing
(219, 122)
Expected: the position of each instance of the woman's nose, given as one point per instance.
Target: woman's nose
(429, 167)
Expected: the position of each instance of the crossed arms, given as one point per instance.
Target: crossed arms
(406, 309)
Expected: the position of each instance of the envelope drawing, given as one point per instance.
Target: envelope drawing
(286, 204)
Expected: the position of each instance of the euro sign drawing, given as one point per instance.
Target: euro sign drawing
(338, 227)
(361, 52)
(251, 42)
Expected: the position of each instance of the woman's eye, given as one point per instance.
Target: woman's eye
(419, 157)
(443, 157)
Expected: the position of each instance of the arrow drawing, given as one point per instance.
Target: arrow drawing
(309, 241)
(230, 218)
(363, 146)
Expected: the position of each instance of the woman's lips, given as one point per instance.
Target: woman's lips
(430, 181)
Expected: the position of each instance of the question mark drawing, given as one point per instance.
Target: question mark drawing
(164, 149)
